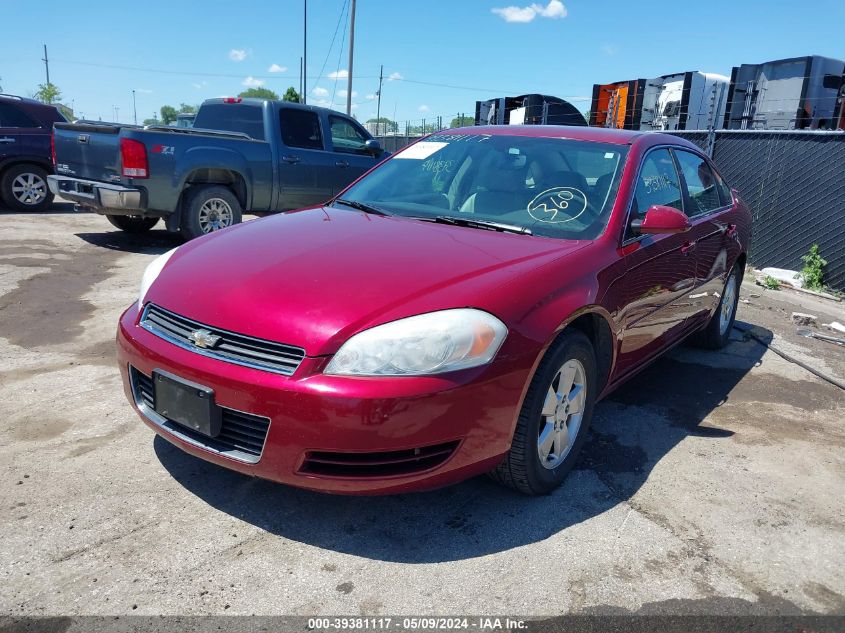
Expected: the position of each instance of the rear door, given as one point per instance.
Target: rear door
(660, 269)
(352, 158)
(306, 168)
(16, 129)
(709, 232)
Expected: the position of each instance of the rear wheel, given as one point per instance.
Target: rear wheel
(132, 223)
(717, 333)
(554, 419)
(24, 188)
(209, 208)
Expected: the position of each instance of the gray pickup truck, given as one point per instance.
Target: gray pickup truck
(242, 155)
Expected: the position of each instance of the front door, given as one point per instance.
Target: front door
(660, 270)
(351, 156)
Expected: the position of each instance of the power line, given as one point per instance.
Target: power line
(331, 45)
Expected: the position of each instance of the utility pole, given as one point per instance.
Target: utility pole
(351, 55)
(378, 107)
(46, 64)
(134, 109)
(304, 49)
(301, 84)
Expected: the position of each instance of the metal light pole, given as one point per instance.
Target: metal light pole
(304, 49)
(46, 64)
(134, 109)
(351, 55)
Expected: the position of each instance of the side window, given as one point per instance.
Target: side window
(701, 183)
(10, 116)
(346, 137)
(300, 128)
(724, 190)
(658, 183)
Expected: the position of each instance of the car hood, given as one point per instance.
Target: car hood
(313, 278)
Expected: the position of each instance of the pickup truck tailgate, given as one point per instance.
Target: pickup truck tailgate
(88, 150)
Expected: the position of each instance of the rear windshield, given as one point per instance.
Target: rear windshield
(232, 117)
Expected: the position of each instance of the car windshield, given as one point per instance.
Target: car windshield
(546, 186)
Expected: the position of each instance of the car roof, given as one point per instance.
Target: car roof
(287, 104)
(573, 132)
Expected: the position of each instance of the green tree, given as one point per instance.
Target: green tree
(384, 124)
(48, 93)
(66, 111)
(259, 93)
(291, 95)
(168, 114)
(185, 108)
(462, 120)
(150, 122)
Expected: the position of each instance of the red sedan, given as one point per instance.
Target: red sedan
(458, 310)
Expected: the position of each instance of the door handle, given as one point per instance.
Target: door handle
(7, 139)
(688, 247)
(341, 163)
(293, 160)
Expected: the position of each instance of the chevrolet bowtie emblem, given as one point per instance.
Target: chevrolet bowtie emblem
(203, 338)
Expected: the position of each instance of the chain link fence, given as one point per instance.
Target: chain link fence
(793, 182)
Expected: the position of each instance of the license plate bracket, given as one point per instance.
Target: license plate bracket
(187, 403)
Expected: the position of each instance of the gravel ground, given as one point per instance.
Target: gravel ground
(711, 483)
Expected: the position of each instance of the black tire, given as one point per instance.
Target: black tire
(132, 223)
(16, 176)
(192, 225)
(714, 336)
(522, 468)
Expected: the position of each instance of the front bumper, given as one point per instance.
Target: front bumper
(472, 412)
(100, 196)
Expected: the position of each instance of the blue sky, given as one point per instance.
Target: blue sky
(100, 51)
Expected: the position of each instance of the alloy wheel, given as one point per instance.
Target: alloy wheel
(728, 303)
(29, 189)
(562, 412)
(215, 214)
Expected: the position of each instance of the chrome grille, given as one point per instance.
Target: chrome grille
(241, 435)
(233, 348)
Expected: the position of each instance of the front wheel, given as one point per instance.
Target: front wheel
(24, 188)
(717, 332)
(132, 223)
(209, 208)
(554, 419)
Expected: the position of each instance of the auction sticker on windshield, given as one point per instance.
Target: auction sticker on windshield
(421, 150)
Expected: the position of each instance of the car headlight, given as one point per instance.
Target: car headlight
(430, 343)
(152, 273)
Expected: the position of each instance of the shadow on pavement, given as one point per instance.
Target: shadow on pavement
(155, 241)
(59, 207)
(632, 430)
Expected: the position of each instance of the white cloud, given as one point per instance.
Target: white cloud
(252, 82)
(323, 103)
(607, 49)
(320, 92)
(237, 54)
(339, 74)
(423, 108)
(343, 93)
(553, 10)
(371, 97)
(394, 77)
(354, 106)
(144, 91)
(200, 85)
(275, 68)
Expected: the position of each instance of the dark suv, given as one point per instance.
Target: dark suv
(25, 156)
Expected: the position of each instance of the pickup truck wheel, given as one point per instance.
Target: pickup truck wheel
(554, 419)
(132, 223)
(207, 209)
(24, 188)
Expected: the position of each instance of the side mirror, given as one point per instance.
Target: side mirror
(373, 147)
(660, 220)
